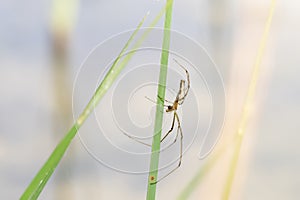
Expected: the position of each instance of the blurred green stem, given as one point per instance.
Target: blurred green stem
(63, 18)
(248, 103)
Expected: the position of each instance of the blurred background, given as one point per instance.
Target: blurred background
(43, 45)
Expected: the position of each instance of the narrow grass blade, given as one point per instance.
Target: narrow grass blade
(245, 114)
(41, 178)
(159, 108)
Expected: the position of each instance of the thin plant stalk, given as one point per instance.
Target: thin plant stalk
(39, 181)
(249, 101)
(63, 18)
(192, 185)
(154, 162)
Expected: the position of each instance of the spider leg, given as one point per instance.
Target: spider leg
(154, 101)
(180, 157)
(175, 137)
(164, 100)
(137, 140)
(181, 100)
(171, 129)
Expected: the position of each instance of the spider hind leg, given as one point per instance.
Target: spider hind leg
(179, 131)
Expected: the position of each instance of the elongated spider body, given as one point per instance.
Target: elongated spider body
(175, 104)
(180, 97)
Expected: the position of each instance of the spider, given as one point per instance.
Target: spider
(182, 93)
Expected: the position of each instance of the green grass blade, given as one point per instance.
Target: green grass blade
(159, 108)
(39, 181)
(245, 113)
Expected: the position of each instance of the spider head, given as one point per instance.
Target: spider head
(169, 108)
